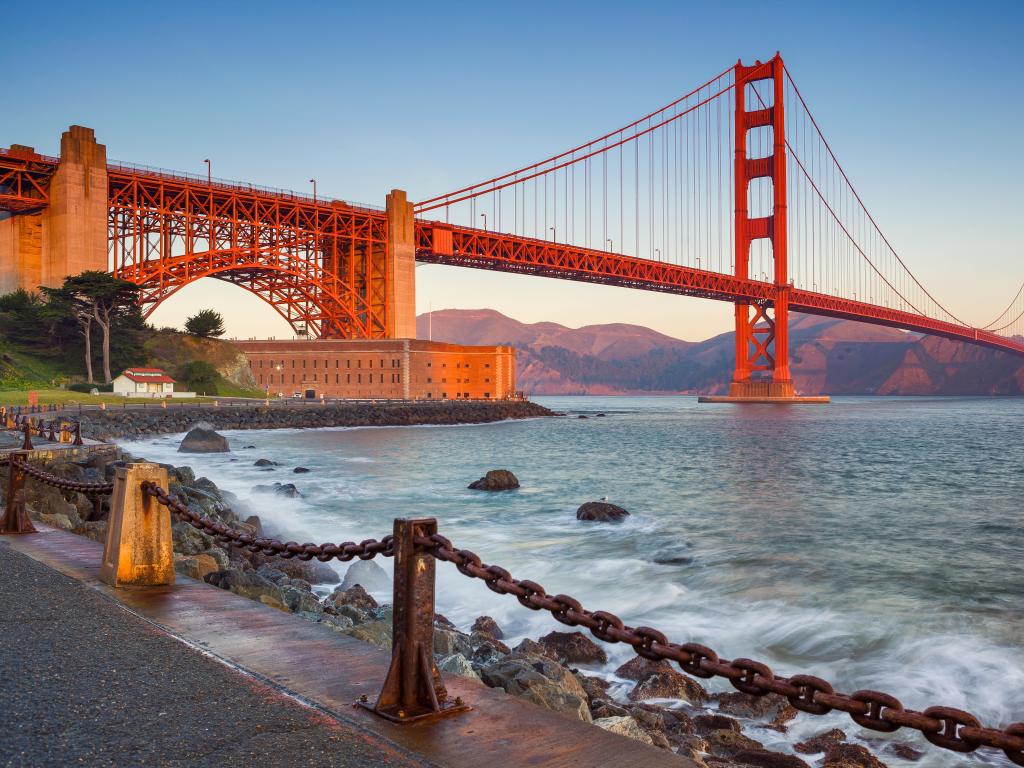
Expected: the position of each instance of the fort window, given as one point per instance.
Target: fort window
(359, 378)
(348, 363)
(348, 378)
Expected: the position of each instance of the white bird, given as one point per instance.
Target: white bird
(604, 498)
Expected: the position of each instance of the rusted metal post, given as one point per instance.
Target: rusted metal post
(15, 518)
(78, 434)
(413, 689)
(26, 444)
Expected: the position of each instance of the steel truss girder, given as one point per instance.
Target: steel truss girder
(165, 233)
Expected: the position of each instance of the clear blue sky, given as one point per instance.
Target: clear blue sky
(922, 102)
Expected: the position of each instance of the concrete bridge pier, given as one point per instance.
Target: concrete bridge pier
(69, 236)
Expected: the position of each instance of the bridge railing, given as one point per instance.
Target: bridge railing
(232, 185)
(138, 552)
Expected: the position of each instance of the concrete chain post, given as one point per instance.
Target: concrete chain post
(413, 689)
(15, 519)
(139, 549)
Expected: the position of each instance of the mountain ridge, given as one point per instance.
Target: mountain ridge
(828, 356)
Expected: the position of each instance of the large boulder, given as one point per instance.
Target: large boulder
(367, 574)
(354, 596)
(772, 709)
(202, 440)
(667, 684)
(312, 571)
(850, 756)
(542, 681)
(625, 726)
(573, 648)
(601, 512)
(496, 480)
(488, 626)
(821, 742)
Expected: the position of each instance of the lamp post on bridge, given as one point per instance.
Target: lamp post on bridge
(554, 235)
(484, 217)
(209, 174)
(611, 246)
(313, 182)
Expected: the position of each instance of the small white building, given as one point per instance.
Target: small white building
(144, 382)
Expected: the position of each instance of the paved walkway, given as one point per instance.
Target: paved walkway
(85, 682)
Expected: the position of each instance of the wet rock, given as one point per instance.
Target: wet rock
(601, 512)
(771, 709)
(542, 681)
(449, 641)
(248, 584)
(690, 745)
(638, 668)
(582, 416)
(530, 647)
(300, 600)
(667, 684)
(202, 440)
(264, 463)
(596, 687)
(184, 475)
(95, 530)
(457, 664)
(573, 648)
(624, 726)
(673, 560)
(762, 758)
(301, 470)
(705, 724)
(288, 490)
(486, 649)
(312, 571)
(376, 633)
(606, 708)
(496, 480)
(488, 626)
(220, 556)
(367, 573)
(727, 742)
(820, 743)
(850, 756)
(355, 596)
(906, 752)
(187, 540)
(442, 621)
(56, 520)
(195, 566)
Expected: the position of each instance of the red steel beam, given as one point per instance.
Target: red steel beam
(440, 243)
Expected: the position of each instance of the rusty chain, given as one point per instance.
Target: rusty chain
(349, 550)
(89, 489)
(944, 727)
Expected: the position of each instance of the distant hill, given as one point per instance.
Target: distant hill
(828, 356)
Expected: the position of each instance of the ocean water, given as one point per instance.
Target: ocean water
(875, 542)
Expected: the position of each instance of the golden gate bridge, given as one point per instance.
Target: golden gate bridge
(730, 192)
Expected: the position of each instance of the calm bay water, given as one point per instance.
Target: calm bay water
(876, 542)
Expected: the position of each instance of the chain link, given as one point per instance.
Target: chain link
(89, 489)
(349, 550)
(944, 727)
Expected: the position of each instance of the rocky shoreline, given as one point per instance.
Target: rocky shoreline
(114, 423)
(651, 702)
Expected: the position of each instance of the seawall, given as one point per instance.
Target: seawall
(131, 423)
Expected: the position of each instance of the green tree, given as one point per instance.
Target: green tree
(206, 323)
(94, 297)
(198, 376)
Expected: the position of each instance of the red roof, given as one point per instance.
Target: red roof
(148, 375)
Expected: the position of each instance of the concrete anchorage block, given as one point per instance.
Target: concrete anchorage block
(139, 548)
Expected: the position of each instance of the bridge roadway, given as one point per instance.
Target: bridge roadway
(193, 675)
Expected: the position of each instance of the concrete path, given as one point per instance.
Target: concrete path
(85, 682)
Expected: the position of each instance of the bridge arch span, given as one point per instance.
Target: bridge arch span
(310, 304)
